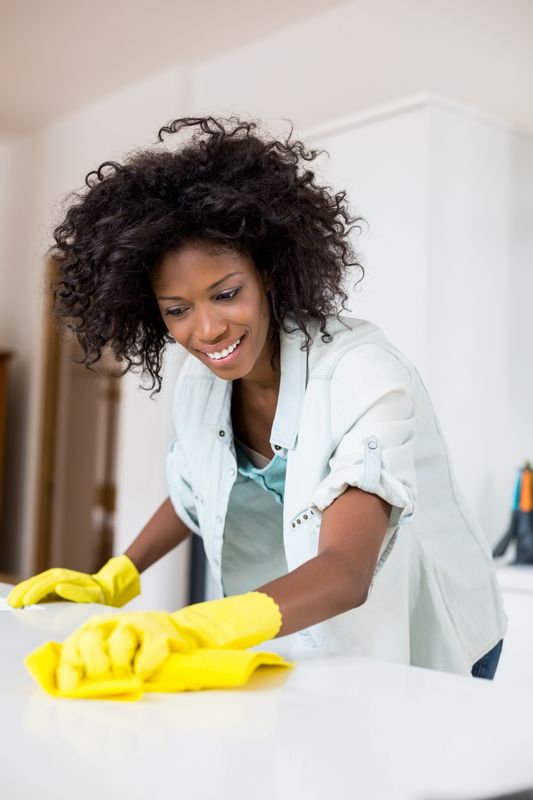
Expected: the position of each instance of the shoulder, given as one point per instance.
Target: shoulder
(365, 380)
(358, 350)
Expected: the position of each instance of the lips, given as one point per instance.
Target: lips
(226, 359)
(220, 347)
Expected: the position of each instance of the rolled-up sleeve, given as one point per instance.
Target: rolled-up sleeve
(180, 489)
(372, 428)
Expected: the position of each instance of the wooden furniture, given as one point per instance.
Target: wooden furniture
(4, 360)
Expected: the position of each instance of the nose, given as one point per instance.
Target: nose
(208, 325)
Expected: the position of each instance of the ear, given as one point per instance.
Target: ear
(267, 283)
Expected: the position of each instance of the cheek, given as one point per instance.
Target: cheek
(259, 309)
(168, 323)
(176, 331)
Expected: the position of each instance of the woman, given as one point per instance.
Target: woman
(307, 452)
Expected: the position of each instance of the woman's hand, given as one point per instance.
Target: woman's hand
(138, 643)
(124, 655)
(115, 584)
(120, 646)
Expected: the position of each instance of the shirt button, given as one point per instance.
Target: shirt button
(222, 433)
(216, 562)
(231, 473)
(219, 520)
(372, 444)
(277, 447)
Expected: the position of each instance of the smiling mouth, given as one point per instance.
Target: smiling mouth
(225, 359)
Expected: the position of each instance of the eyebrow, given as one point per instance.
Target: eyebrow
(213, 286)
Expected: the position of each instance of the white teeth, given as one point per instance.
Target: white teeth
(225, 352)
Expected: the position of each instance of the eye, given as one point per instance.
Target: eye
(229, 295)
(178, 312)
(173, 312)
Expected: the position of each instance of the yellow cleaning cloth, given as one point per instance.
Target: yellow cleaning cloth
(203, 668)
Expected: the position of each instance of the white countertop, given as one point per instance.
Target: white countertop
(339, 727)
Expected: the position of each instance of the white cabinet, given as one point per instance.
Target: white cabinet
(516, 661)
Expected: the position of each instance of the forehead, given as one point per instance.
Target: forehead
(200, 265)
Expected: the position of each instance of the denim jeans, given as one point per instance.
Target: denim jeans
(486, 666)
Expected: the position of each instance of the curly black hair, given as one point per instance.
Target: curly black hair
(228, 186)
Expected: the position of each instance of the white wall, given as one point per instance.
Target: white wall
(382, 161)
(481, 285)
(145, 432)
(368, 52)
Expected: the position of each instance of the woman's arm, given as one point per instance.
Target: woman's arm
(161, 534)
(337, 579)
(352, 531)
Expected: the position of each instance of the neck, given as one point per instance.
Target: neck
(263, 378)
(262, 384)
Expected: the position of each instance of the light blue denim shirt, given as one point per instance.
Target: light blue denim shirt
(351, 411)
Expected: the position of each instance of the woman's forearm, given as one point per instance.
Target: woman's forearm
(338, 579)
(318, 590)
(161, 534)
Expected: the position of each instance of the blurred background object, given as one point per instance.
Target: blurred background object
(5, 357)
(76, 484)
(520, 531)
(426, 109)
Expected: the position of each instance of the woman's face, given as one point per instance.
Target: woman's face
(210, 299)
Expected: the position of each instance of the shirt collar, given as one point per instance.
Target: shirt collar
(293, 382)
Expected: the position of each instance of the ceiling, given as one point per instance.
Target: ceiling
(59, 55)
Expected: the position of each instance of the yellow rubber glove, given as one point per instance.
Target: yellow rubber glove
(233, 622)
(114, 585)
(137, 646)
(202, 669)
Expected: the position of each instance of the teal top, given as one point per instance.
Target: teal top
(253, 552)
(271, 477)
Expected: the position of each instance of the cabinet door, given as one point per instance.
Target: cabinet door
(516, 661)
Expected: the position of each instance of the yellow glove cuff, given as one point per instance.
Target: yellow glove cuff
(119, 581)
(239, 621)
